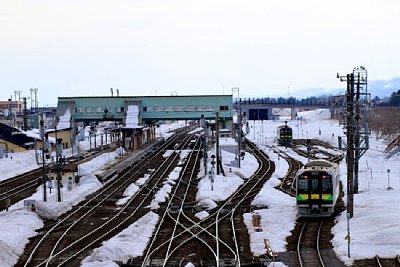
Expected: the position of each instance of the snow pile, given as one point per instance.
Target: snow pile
(128, 193)
(163, 193)
(65, 120)
(17, 225)
(132, 116)
(129, 243)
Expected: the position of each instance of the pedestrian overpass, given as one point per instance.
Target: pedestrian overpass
(150, 109)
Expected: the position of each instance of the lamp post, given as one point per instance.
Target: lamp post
(389, 187)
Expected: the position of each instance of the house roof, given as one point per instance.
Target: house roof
(15, 136)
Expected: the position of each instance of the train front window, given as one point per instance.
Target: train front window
(326, 184)
(314, 186)
(302, 185)
(315, 183)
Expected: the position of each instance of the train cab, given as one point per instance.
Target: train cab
(317, 189)
(285, 135)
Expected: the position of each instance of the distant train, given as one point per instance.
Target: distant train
(317, 189)
(285, 135)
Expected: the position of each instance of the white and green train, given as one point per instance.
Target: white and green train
(317, 189)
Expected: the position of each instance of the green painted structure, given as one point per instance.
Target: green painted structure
(151, 108)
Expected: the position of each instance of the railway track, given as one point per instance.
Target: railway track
(310, 241)
(169, 234)
(378, 261)
(316, 149)
(22, 186)
(68, 240)
(288, 184)
(308, 245)
(220, 239)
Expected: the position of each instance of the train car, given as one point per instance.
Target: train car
(285, 135)
(317, 189)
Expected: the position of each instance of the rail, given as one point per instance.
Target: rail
(300, 258)
(236, 199)
(99, 195)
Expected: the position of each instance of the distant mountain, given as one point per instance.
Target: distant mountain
(383, 88)
(380, 88)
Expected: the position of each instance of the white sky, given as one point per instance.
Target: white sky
(74, 48)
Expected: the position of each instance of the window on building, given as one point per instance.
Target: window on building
(99, 110)
(179, 108)
(81, 110)
(189, 108)
(169, 108)
(200, 108)
(90, 110)
(158, 108)
(223, 108)
(210, 108)
(119, 109)
(144, 109)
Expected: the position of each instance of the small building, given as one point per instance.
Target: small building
(68, 171)
(225, 133)
(66, 136)
(132, 138)
(14, 140)
(11, 106)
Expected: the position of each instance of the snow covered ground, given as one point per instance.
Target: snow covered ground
(374, 227)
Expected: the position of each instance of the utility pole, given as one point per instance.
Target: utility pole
(350, 144)
(58, 160)
(34, 102)
(362, 105)
(58, 166)
(217, 139)
(25, 112)
(349, 130)
(356, 136)
(43, 159)
(239, 123)
(203, 125)
(18, 105)
(356, 128)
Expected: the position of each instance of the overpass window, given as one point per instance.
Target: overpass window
(158, 109)
(144, 109)
(169, 108)
(200, 108)
(81, 110)
(223, 108)
(210, 108)
(119, 109)
(179, 108)
(189, 108)
(90, 110)
(99, 110)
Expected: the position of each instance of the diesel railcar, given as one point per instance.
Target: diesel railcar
(285, 135)
(317, 189)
